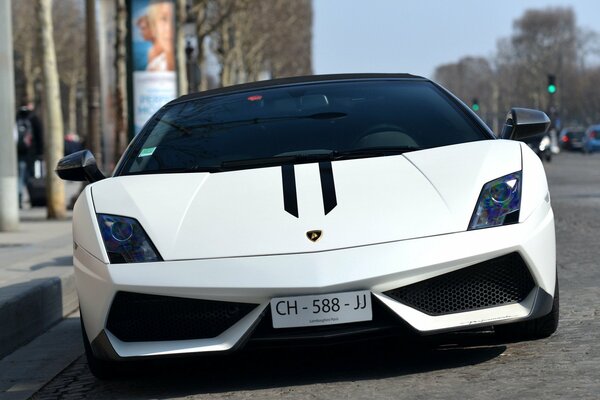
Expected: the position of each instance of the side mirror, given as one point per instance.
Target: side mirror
(79, 166)
(522, 123)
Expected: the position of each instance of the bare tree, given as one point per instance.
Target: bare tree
(589, 105)
(471, 78)
(289, 48)
(54, 146)
(210, 16)
(93, 135)
(70, 47)
(588, 45)
(468, 78)
(225, 51)
(25, 46)
(121, 114)
(270, 38)
(252, 37)
(544, 42)
(181, 7)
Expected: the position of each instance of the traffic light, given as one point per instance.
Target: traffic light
(475, 104)
(551, 84)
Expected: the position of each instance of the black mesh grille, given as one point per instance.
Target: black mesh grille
(138, 317)
(503, 280)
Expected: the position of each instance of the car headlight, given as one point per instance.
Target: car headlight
(125, 240)
(499, 202)
(544, 143)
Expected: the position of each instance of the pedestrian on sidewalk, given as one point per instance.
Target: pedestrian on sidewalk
(30, 144)
(72, 143)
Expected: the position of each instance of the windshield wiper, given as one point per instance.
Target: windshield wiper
(320, 156)
(373, 151)
(278, 160)
(300, 158)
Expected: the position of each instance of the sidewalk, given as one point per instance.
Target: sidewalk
(37, 285)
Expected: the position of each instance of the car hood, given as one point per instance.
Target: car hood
(361, 202)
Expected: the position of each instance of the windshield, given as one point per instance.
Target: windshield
(301, 123)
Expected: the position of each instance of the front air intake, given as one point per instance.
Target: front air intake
(138, 317)
(500, 281)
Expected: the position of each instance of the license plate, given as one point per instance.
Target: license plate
(326, 309)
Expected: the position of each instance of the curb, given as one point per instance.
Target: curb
(30, 308)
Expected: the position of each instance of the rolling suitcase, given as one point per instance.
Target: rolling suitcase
(36, 185)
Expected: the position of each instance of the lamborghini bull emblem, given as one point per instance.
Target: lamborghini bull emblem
(313, 236)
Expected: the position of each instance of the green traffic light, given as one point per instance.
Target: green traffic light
(475, 107)
(551, 89)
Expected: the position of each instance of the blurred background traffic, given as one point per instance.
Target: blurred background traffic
(90, 73)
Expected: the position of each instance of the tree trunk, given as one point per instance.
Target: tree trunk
(201, 59)
(121, 138)
(72, 98)
(238, 53)
(228, 57)
(29, 76)
(201, 33)
(495, 106)
(180, 48)
(54, 144)
(93, 82)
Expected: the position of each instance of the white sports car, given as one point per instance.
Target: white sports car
(309, 208)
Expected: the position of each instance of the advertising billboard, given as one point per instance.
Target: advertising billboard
(153, 57)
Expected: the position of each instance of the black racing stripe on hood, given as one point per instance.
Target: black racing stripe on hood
(290, 198)
(327, 186)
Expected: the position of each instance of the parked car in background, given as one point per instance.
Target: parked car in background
(591, 140)
(572, 138)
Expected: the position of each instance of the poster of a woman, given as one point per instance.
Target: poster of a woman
(162, 55)
(153, 40)
(153, 49)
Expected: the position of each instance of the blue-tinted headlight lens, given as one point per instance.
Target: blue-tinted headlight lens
(125, 240)
(499, 202)
(121, 231)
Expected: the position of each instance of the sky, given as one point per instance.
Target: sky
(418, 35)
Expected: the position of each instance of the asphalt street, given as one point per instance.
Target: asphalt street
(467, 365)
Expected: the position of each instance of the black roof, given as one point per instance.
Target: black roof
(290, 81)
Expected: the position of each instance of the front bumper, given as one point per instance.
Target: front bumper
(378, 268)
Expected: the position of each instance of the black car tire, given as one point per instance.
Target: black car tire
(538, 328)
